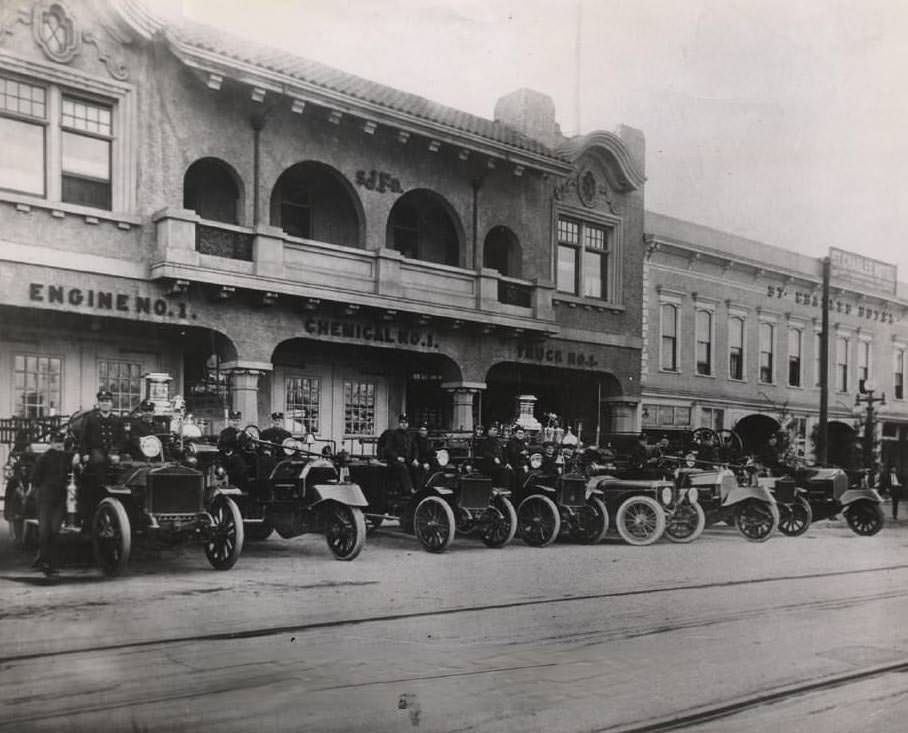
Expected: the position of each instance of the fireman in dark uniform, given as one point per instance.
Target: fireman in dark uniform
(516, 452)
(141, 428)
(276, 434)
(50, 478)
(492, 459)
(230, 444)
(100, 445)
(423, 457)
(399, 454)
(549, 459)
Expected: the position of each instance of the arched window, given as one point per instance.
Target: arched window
(669, 356)
(422, 227)
(795, 343)
(211, 189)
(735, 348)
(767, 352)
(704, 342)
(501, 251)
(313, 201)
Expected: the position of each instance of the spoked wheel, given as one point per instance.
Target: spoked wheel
(224, 542)
(865, 518)
(433, 524)
(500, 523)
(111, 537)
(345, 530)
(256, 531)
(686, 523)
(640, 520)
(538, 521)
(591, 522)
(794, 519)
(756, 520)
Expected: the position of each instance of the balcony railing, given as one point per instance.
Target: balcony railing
(515, 293)
(266, 258)
(223, 242)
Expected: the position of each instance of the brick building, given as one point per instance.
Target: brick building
(276, 234)
(731, 340)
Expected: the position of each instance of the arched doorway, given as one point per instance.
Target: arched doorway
(755, 430)
(212, 189)
(423, 226)
(575, 396)
(501, 251)
(314, 201)
(842, 442)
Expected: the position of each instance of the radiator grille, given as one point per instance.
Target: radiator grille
(175, 493)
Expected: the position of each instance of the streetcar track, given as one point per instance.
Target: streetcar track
(301, 628)
(730, 708)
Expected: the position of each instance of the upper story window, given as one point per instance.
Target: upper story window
(669, 350)
(841, 363)
(795, 338)
(736, 348)
(583, 259)
(58, 145)
(898, 372)
(767, 353)
(704, 342)
(863, 363)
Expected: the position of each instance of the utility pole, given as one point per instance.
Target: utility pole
(823, 427)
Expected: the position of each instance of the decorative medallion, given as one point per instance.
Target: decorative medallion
(54, 29)
(587, 188)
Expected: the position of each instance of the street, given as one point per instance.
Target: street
(800, 634)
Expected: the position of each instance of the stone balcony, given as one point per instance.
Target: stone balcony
(267, 259)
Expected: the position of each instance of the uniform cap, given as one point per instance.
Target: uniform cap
(104, 394)
(234, 415)
(403, 418)
(147, 406)
(277, 415)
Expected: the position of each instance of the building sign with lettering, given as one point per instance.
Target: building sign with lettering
(863, 271)
(808, 299)
(380, 333)
(548, 354)
(101, 301)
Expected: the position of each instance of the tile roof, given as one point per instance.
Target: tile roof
(204, 38)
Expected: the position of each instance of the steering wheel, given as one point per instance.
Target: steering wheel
(730, 444)
(706, 436)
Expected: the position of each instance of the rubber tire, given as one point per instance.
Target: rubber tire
(506, 508)
(225, 513)
(791, 527)
(354, 515)
(700, 525)
(538, 512)
(876, 519)
(423, 526)
(115, 511)
(595, 539)
(739, 511)
(622, 513)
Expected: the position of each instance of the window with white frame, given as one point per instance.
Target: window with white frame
(864, 349)
(37, 385)
(898, 371)
(359, 408)
(666, 416)
(767, 338)
(124, 380)
(302, 403)
(841, 363)
(669, 344)
(704, 329)
(795, 343)
(57, 143)
(583, 252)
(736, 347)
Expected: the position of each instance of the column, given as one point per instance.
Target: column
(244, 389)
(462, 395)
